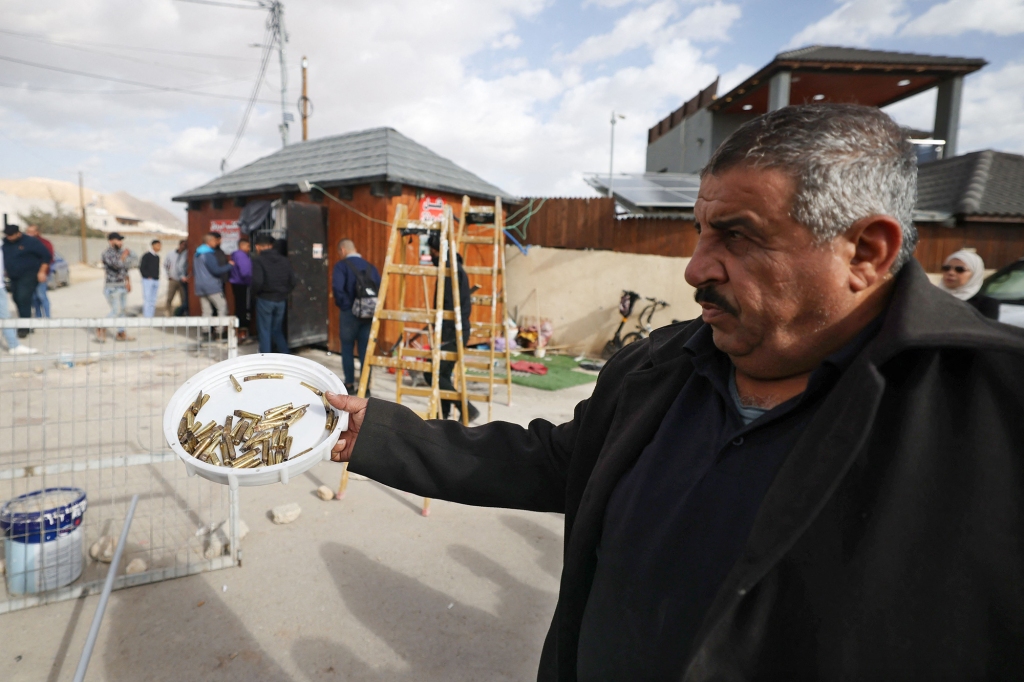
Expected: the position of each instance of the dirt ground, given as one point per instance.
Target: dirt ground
(362, 588)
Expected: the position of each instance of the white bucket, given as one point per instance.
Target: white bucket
(39, 566)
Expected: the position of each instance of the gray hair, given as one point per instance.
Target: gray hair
(849, 161)
(347, 244)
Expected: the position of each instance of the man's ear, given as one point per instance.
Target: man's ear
(877, 241)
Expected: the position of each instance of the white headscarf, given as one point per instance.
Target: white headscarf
(976, 265)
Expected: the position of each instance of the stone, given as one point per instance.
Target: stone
(325, 493)
(219, 541)
(285, 513)
(136, 565)
(103, 549)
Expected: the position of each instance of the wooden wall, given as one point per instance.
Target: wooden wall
(998, 244)
(571, 223)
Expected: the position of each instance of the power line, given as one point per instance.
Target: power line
(252, 100)
(93, 50)
(221, 4)
(125, 81)
(136, 48)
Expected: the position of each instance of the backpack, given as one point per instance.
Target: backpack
(365, 302)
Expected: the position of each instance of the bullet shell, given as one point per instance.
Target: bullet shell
(234, 382)
(205, 400)
(182, 430)
(312, 388)
(287, 448)
(242, 414)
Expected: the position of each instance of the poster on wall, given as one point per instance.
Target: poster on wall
(431, 208)
(229, 234)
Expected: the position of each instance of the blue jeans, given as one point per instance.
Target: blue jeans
(270, 325)
(10, 335)
(353, 329)
(40, 301)
(117, 298)
(149, 287)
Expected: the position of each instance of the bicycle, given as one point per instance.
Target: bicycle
(644, 326)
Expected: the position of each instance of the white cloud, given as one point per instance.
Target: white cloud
(856, 22)
(991, 114)
(509, 40)
(999, 17)
(630, 32)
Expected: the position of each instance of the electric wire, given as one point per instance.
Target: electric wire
(70, 46)
(350, 208)
(126, 81)
(136, 48)
(222, 4)
(252, 99)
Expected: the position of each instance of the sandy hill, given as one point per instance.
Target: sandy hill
(20, 196)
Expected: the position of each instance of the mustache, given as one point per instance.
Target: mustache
(710, 294)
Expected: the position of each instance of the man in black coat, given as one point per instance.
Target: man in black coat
(821, 478)
(27, 262)
(273, 280)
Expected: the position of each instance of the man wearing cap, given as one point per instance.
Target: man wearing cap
(28, 263)
(116, 283)
(209, 273)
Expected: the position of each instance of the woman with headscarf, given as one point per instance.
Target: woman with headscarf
(962, 275)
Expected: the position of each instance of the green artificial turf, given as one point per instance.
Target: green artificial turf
(560, 374)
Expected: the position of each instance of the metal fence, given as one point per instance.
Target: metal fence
(87, 415)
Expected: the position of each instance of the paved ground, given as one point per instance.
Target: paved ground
(361, 588)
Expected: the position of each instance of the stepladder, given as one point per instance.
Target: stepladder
(481, 240)
(424, 327)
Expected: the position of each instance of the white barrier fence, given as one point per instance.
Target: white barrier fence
(86, 415)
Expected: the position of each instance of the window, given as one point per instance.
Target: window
(1007, 285)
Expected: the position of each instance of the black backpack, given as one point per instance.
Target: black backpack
(365, 302)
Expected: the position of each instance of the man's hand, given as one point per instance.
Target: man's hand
(127, 285)
(41, 276)
(124, 254)
(356, 408)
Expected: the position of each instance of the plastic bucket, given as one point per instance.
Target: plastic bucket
(43, 539)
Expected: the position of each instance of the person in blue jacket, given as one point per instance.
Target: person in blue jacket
(355, 307)
(210, 268)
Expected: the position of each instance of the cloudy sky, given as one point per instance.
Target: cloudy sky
(147, 95)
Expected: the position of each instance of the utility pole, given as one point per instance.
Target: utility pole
(304, 102)
(81, 206)
(277, 26)
(611, 156)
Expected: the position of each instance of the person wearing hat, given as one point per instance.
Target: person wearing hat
(116, 283)
(28, 263)
(963, 273)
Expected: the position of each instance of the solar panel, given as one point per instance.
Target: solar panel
(650, 191)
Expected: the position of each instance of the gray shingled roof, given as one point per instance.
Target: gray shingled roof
(380, 154)
(829, 53)
(986, 183)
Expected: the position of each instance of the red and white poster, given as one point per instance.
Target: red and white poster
(229, 234)
(431, 208)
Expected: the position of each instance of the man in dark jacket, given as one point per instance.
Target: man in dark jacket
(149, 268)
(448, 339)
(210, 271)
(821, 478)
(273, 279)
(354, 327)
(27, 263)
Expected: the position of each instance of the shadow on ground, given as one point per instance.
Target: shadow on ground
(433, 641)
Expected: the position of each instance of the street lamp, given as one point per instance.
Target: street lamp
(611, 155)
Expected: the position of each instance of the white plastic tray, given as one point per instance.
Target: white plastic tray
(257, 396)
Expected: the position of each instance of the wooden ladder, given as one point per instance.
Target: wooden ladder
(482, 229)
(415, 322)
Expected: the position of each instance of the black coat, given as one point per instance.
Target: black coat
(889, 546)
(272, 276)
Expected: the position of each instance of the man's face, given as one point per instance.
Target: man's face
(212, 242)
(243, 246)
(116, 243)
(32, 231)
(767, 289)
(15, 236)
(157, 247)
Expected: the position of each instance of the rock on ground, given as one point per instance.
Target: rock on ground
(103, 549)
(325, 493)
(285, 513)
(134, 566)
(218, 542)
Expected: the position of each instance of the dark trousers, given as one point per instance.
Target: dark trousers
(353, 329)
(242, 304)
(444, 382)
(22, 290)
(270, 325)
